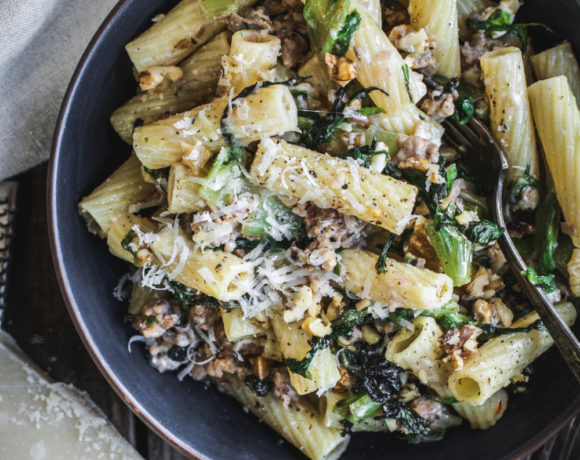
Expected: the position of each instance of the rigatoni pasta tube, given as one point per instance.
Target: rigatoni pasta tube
(418, 351)
(556, 61)
(125, 187)
(502, 358)
(201, 73)
(294, 344)
(400, 286)
(252, 58)
(466, 8)
(557, 120)
(270, 111)
(331, 182)
(439, 19)
(380, 64)
(183, 190)
(120, 228)
(180, 32)
(302, 428)
(510, 115)
(485, 415)
(215, 273)
(236, 327)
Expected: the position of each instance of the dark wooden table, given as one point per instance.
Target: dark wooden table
(37, 318)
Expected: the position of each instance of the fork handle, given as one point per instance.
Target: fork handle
(563, 337)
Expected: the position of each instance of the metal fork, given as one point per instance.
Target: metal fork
(490, 166)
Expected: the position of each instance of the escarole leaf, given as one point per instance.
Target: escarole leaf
(501, 21)
(223, 181)
(452, 247)
(272, 219)
(547, 230)
(218, 8)
(323, 127)
(330, 26)
(357, 408)
(482, 232)
(546, 282)
(517, 188)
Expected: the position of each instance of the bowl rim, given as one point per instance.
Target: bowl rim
(531, 445)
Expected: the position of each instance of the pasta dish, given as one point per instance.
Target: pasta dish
(300, 234)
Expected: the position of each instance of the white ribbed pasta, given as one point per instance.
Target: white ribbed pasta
(183, 190)
(123, 188)
(510, 115)
(371, 7)
(179, 33)
(380, 64)
(486, 415)
(502, 358)
(557, 120)
(119, 229)
(418, 351)
(302, 428)
(252, 58)
(215, 273)
(294, 343)
(401, 286)
(406, 121)
(465, 8)
(574, 272)
(331, 182)
(236, 327)
(270, 111)
(201, 73)
(439, 19)
(556, 61)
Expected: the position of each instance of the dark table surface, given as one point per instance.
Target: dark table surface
(37, 318)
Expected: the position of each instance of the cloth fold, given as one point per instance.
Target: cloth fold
(41, 42)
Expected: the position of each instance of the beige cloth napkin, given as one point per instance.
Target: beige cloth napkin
(41, 42)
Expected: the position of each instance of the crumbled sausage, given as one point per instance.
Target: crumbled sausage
(283, 389)
(427, 408)
(155, 319)
(329, 230)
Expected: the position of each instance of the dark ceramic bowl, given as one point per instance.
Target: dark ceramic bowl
(200, 421)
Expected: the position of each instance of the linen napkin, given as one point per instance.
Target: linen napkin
(41, 42)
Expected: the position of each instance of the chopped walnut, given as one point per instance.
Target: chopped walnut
(159, 77)
(459, 344)
(417, 147)
(440, 105)
(420, 246)
(341, 70)
(484, 283)
(493, 312)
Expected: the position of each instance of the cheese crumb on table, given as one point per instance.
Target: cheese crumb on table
(40, 420)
